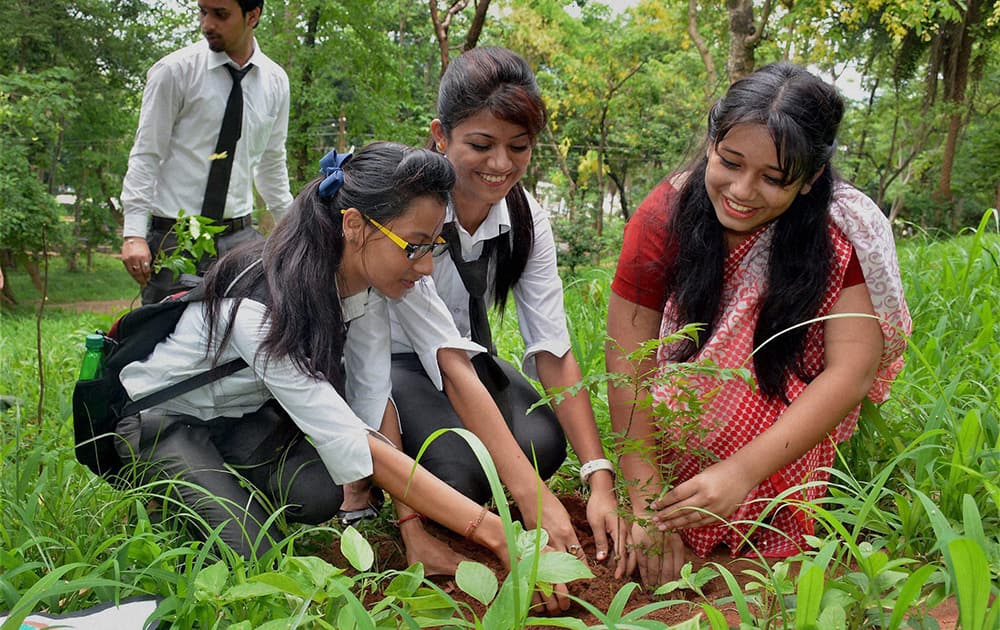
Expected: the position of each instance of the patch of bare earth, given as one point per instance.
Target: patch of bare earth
(103, 307)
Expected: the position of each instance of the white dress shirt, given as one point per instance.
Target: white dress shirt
(337, 428)
(182, 108)
(435, 313)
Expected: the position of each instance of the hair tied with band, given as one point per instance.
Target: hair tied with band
(332, 166)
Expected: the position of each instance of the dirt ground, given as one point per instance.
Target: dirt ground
(103, 307)
(601, 590)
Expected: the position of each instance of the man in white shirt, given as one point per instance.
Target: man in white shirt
(180, 124)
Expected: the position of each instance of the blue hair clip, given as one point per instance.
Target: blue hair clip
(332, 165)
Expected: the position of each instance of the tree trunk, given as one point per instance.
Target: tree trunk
(443, 24)
(897, 207)
(744, 36)
(622, 195)
(74, 247)
(56, 151)
(706, 55)
(476, 28)
(956, 75)
(441, 33)
(564, 167)
(31, 266)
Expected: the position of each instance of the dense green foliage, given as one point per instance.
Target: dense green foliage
(912, 517)
(627, 90)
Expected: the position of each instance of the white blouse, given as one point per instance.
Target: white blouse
(338, 428)
(435, 313)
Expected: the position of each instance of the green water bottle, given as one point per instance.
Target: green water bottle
(93, 358)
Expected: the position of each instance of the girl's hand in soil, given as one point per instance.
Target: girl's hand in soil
(705, 499)
(659, 555)
(602, 514)
(554, 519)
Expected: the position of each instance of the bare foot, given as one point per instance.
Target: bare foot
(421, 546)
(357, 495)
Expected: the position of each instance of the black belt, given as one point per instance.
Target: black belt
(162, 224)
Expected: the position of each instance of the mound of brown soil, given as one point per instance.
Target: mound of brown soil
(600, 591)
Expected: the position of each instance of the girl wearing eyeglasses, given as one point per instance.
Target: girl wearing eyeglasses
(445, 372)
(284, 306)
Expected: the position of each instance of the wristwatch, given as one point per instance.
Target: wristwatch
(589, 468)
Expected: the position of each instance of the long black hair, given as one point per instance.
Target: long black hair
(300, 258)
(802, 114)
(501, 82)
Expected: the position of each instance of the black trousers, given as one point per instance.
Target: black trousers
(233, 471)
(163, 283)
(424, 409)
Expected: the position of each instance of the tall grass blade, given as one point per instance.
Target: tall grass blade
(971, 574)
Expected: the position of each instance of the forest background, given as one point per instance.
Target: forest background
(627, 88)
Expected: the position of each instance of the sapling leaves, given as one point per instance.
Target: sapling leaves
(477, 580)
(195, 239)
(356, 549)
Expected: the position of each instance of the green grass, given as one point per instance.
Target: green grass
(912, 517)
(105, 280)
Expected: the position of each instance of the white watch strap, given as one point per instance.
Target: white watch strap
(588, 469)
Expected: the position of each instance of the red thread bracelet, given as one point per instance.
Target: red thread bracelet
(410, 517)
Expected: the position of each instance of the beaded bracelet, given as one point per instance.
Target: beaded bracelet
(474, 523)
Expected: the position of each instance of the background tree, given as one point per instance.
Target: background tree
(627, 90)
(443, 21)
(71, 99)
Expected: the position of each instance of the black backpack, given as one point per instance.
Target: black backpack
(100, 403)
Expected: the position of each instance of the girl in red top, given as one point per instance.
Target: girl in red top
(754, 239)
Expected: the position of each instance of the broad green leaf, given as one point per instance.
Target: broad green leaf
(250, 590)
(356, 549)
(477, 580)
(287, 622)
(316, 569)
(512, 597)
(832, 618)
(427, 601)
(283, 582)
(560, 568)
(210, 581)
(888, 579)
(407, 582)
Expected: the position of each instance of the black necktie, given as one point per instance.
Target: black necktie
(222, 167)
(473, 274)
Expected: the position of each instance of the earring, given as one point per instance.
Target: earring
(440, 147)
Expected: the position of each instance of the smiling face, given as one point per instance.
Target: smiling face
(384, 265)
(745, 184)
(489, 155)
(227, 29)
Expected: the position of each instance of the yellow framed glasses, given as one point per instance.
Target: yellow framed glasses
(413, 251)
